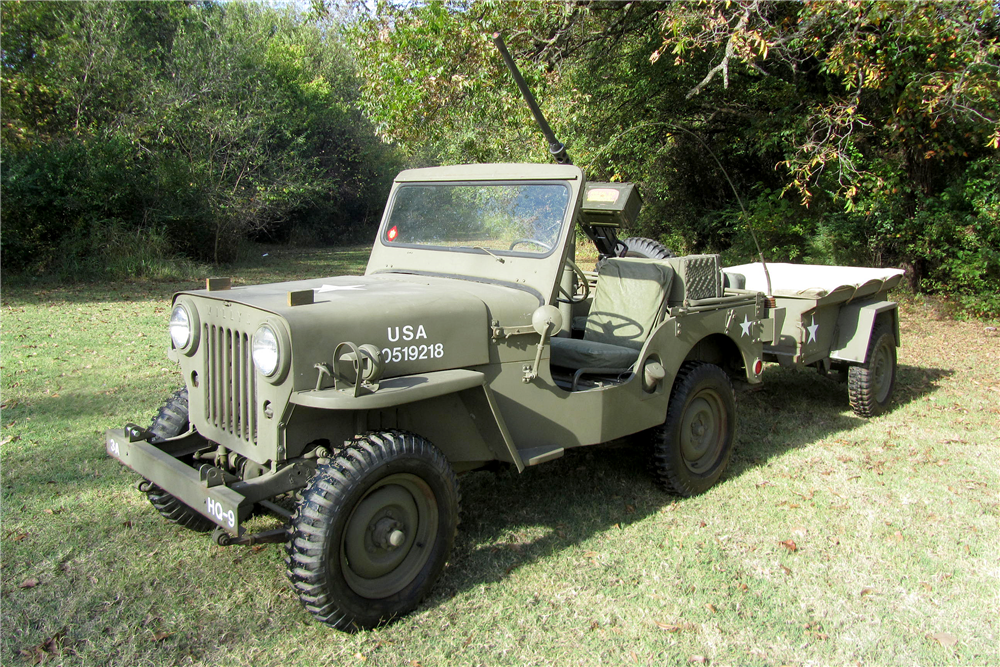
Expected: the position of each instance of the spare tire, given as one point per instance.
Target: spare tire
(642, 248)
(647, 248)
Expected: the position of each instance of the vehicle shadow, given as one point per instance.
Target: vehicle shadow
(510, 519)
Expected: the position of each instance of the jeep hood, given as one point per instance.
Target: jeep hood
(419, 323)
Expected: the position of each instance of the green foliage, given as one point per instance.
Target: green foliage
(958, 237)
(836, 129)
(184, 128)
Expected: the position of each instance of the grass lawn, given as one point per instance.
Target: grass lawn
(832, 540)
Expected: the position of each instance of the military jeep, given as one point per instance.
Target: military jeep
(346, 406)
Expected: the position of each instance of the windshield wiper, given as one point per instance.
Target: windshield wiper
(496, 257)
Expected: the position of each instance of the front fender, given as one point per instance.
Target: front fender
(393, 391)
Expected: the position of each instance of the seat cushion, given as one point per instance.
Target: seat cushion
(628, 301)
(575, 353)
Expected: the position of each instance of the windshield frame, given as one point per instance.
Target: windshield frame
(566, 220)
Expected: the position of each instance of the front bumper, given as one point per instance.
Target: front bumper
(203, 490)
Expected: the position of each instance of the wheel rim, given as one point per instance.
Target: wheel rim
(389, 536)
(703, 431)
(881, 372)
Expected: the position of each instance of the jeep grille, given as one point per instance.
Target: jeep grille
(231, 392)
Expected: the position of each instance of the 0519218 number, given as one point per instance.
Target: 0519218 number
(413, 352)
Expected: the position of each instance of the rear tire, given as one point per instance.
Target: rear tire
(871, 385)
(373, 530)
(170, 421)
(692, 448)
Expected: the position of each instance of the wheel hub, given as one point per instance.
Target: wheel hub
(702, 432)
(387, 533)
(385, 539)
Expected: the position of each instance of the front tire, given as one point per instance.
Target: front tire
(170, 421)
(692, 448)
(871, 385)
(373, 530)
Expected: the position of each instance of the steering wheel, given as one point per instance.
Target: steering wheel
(538, 243)
(576, 298)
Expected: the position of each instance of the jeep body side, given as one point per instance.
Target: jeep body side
(447, 337)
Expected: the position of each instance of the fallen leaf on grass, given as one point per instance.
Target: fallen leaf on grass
(591, 554)
(160, 636)
(865, 591)
(629, 509)
(700, 659)
(711, 607)
(50, 647)
(790, 545)
(668, 627)
(29, 583)
(946, 639)
(787, 570)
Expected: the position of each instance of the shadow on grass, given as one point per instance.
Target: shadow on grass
(510, 520)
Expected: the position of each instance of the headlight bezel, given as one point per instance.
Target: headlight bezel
(194, 328)
(282, 350)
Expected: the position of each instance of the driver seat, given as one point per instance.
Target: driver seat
(628, 302)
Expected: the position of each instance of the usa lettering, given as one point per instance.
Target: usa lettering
(407, 333)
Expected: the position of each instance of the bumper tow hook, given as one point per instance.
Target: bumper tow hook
(224, 539)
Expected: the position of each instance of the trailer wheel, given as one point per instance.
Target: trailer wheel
(172, 420)
(692, 448)
(372, 530)
(871, 385)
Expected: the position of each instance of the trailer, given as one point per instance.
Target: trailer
(836, 319)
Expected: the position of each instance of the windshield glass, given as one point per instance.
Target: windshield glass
(523, 218)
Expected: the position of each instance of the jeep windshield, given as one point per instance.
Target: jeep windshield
(499, 218)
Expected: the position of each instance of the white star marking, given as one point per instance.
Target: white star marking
(745, 325)
(812, 329)
(337, 288)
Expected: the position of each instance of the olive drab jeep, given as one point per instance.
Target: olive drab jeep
(347, 406)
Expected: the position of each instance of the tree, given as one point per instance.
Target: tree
(193, 126)
(832, 127)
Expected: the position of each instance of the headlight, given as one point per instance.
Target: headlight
(180, 327)
(266, 352)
